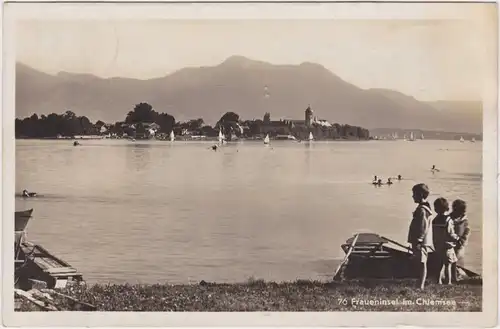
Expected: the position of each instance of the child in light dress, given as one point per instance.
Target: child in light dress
(462, 230)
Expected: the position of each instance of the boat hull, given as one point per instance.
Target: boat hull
(377, 257)
(21, 219)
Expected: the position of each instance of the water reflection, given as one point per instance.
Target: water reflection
(139, 157)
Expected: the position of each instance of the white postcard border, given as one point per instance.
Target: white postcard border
(73, 11)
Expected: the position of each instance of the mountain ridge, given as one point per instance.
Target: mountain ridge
(236, 84)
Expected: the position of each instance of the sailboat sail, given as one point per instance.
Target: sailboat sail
(461, 139)
(221, 137)
(266, 140)
(412, 138)
(473, 140)
(311, 137)
(422, 136)
(172, 136)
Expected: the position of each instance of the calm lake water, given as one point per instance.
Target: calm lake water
(156, 212)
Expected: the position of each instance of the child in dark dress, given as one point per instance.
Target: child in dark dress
(444, 239)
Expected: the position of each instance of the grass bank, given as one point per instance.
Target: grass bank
(257, 295)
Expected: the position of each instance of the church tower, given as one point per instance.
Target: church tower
(309, 117)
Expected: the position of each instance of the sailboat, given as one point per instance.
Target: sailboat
(221, 137)
(404, 137)
(412, 138)
(462, 139)
(311, 137)
(172, 136)
(422, 136)
(473, 140)
(266, 140)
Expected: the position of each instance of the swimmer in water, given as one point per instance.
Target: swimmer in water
(375, 179)
(399, 177)
(389, 181)
(433, 169)
(27, 194)
(214, 147)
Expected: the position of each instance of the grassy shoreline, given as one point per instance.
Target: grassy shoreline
(258, 295)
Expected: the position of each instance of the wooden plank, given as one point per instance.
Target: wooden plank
(367, 252)
(51, 256)
(370, 248)
(366, 238)
(44, 306)
(398, 244)
(61, 283)
(60, 270)
(368, 244)
(346, 257)
(378, 249)
(366, 247)
(87, 306)
(37, 284)
(64, 274)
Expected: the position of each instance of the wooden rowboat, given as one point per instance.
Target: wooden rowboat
(370, 255)
(21, 219)
(32, 262)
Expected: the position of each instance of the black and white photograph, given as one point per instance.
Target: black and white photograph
(343, 163)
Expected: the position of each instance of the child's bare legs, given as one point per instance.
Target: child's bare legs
(420, 254)
(459, 252)
(442, 274)
(453, 270)
(448, 270)
(423, 274)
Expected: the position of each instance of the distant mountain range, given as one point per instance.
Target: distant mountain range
(237, 84)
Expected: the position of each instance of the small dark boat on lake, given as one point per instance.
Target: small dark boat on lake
(371, 256)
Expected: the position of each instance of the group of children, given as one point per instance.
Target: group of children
(446, 234)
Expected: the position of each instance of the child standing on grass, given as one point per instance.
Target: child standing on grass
(420, 232)
(461, 226)
(444, 239)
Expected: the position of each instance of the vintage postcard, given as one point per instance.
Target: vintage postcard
(325, 164)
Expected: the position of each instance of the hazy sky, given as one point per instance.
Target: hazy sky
(428, 59)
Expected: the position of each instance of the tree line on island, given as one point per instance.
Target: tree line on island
(144, 122)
